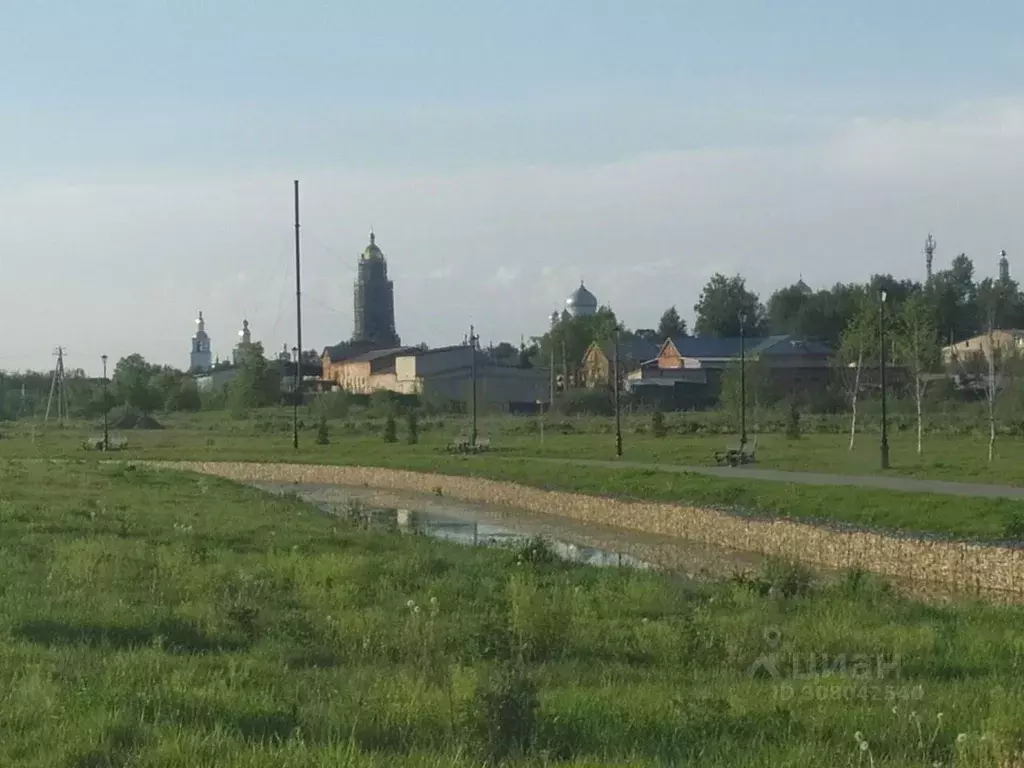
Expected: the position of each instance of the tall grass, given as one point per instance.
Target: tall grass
(150, 618)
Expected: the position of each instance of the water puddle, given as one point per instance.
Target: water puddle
(472, 524)
(484, 525)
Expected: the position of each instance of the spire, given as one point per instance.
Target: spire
(1004, 268)
(372, 238)
(200, 322)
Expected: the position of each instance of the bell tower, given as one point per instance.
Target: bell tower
(202, 357)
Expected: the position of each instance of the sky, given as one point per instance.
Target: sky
(502, 152)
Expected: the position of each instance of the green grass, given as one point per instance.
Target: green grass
(268, 438)
(158, 619)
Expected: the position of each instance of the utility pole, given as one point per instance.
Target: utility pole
(565, 369)
(881, 351)
(58, 385)
(618, 418)
(298, 322)
(743, 383)
(472, 367)
(106, 432)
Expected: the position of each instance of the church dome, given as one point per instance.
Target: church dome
(581, 302)
(372, 251)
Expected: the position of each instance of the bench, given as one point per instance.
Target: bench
(464, 445)
(737, 455)
(113, 443)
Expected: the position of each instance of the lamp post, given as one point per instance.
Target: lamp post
(618, 410)
(106, 433)
(743, 382)
(295, 399)
(881, 351)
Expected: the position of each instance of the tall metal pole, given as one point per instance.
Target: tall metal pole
(743, 384)
(881, 350)
(472, 347)
(106, 434)
(298, 329)
(618, 417)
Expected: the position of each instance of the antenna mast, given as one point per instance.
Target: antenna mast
(298, 330)
(929, 254)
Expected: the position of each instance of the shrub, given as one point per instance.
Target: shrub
(321, 432)
(390, 430)
(658, 428)
(793, 421)
(1014, 528)
(506, 712)
(413, 428)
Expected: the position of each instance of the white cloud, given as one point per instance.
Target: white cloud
(643, 233)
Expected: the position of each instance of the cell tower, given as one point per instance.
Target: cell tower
(58, 385)
(929, 255)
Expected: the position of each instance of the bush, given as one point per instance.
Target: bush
(658, 428)
(413, 428)
(321, 432)
(585, 402)
(793, 421)
(506, 712)
(390, 430)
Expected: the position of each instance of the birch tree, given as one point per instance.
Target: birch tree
(859, 343)
(917, 347)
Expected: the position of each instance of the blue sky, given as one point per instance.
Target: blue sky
(458, 114)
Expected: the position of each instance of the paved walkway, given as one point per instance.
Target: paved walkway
(886, 482)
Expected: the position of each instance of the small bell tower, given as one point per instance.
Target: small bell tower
(202, 357)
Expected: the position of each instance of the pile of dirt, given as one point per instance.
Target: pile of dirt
(136, 420)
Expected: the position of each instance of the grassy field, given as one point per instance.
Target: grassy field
(267, 437)
(946, 456)
(154, 619)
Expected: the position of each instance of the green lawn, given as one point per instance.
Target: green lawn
(268, 438)
(156, 619)
(946, 456)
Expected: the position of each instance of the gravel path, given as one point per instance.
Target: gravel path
(890, 482)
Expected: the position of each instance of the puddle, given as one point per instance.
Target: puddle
(484, 525)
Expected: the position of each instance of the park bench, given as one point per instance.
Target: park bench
(737, 455)
(464, 445)
(113, 443)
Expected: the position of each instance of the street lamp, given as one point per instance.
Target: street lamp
(106, 433)
(743, 381)
(618, 411)
(295, 398)
(881, 351)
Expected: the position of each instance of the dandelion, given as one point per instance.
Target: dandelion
(961, 738)
(863, 746)
(858, 737)
(409, 604)
(415, 609)
(433, 601)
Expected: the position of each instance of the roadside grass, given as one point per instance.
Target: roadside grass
(159, 619)
(957, 516)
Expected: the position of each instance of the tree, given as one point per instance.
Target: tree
(649, 335)
(671, 324)
(412, 422)
(722, 303)
(390, 429)
(256, 383)
(953, 295)
(858, 342)
(133, 382)
(917, 346)
(569, 339)
(185, 398)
